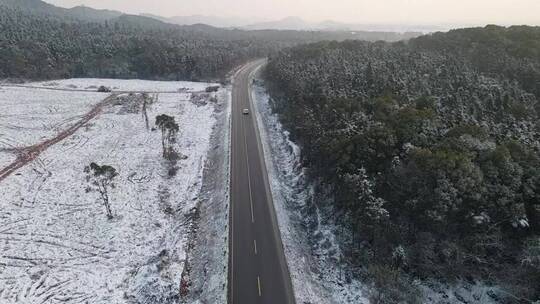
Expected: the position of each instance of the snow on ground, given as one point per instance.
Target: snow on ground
(310, 247)
(28, 116)
(6, 157)
(209, 257)
(92, 84)
(460, 292)
(56, 243)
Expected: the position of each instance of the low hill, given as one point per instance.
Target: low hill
(87, 13)
(214, 21)
(288, 23)
(78, 12)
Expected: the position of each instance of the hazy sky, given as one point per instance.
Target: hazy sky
(357, 11)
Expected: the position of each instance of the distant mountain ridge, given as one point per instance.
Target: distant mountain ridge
(224, 22)
(292, 23)
(84, 12)
(215, 27)
(299, 24)
(288, 23)
(78, 12)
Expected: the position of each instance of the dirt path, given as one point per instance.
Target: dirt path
(28, 154)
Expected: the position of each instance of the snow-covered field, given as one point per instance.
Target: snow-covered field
(56, 243)
(92, 84)
(209, 257)
(312, 254)
(29, 116)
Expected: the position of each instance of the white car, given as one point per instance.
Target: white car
(245, 111)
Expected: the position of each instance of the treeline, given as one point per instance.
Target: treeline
(41, 41)
(40, 47)
(432, 153)
(504, 53)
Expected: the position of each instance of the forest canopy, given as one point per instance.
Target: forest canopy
(42, 47)
(41, 41)
(431, 148)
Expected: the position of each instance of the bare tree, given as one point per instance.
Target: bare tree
(147, 101)
(101, 178)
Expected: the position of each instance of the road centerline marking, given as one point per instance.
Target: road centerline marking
(248, 171)
(246, 264)
(234, 139)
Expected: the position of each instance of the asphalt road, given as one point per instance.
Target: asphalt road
(258, 271)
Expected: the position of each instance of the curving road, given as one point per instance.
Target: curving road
(258, 271)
